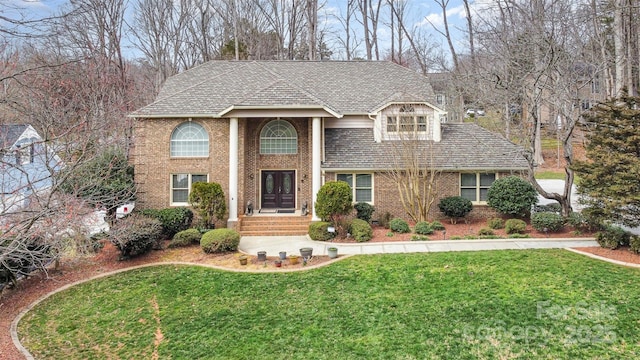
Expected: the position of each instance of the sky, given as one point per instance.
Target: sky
(422, 14)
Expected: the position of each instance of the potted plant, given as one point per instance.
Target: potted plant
(243, 259)
(306, 252)
(293, 259)
(332, 252)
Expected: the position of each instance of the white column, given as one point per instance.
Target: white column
(233, 171)
(316, 147)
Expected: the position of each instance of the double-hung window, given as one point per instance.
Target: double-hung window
(181, 186)
(475, 186)
(361, 186)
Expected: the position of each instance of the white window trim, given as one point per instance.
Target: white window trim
(477, 187)
(353, 188)
(173, 141)
(289, 138)
(171, 188)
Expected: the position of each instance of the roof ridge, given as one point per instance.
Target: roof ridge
(307, 93)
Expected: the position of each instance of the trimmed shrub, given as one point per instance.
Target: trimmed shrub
(486, 232)
(423, 228)
(515, 226)
(419, 238)
(185, 238)
(334, 199)
(360, 230)
(437, 225)
(135, 235)
(519, 236)
(579, 222)
(318, 231)
(612, 237)
(455, 207)
(634, 244)
(398, 225)
(385, 219)
(220, 240)
(209, 201)
(333, 204)
(364, 211)
(173, 220)
(547, 221)
(512, 195)
(495, 223)
(553, 208)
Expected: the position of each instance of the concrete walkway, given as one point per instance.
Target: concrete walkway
(292, 244)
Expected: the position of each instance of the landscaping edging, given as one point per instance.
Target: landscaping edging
(598, 257)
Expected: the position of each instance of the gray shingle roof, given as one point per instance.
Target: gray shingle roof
(464, 146)
(344, 87)
(9, 134)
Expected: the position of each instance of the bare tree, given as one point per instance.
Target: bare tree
(347, 38)
(413, 171)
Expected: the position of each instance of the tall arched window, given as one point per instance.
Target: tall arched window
(278, 137)
(189, 139)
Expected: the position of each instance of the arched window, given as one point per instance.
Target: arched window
(189, 139)
(278, 137)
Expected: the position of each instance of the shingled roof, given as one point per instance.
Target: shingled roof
(464, 146)
(341, 87)
(10, 133)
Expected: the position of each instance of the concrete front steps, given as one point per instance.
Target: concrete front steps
(274, 225)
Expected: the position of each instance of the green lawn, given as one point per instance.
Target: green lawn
(541, 304)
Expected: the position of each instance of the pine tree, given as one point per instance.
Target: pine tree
(610, 177)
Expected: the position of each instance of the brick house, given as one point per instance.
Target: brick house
(272, 132)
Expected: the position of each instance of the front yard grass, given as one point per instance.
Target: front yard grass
(534, 304)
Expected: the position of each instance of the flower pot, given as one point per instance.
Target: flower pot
(262, 256)
(332, 252)
(293, 259)
(278, 263)
(283, 255)
(306, 252)
(243, 260)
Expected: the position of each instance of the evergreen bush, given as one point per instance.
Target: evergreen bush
(399, 225)
(495, 223)
(515, 226)
(455, 207)
(220, 240)
(547, 221)
(612, 237)
(318, 231)
(185, 238)
(360, 230)
(437, 225)
(173, 220)
(512, 195)
(364, 211)
(423, 228)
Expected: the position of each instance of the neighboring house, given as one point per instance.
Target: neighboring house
(272, 132)
(26, 167)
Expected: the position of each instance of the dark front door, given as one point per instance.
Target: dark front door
(278, 189)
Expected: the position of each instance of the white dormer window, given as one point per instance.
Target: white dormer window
(406, 121)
